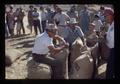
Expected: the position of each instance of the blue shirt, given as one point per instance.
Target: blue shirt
(72, 35)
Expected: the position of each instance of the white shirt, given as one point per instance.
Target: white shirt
(98, 24)
(41, 44)
(110, 36)
(43, 15)
(62, 18)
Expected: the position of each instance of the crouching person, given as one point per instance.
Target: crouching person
(44, 49)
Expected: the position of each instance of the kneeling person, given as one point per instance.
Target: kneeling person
(44, 45)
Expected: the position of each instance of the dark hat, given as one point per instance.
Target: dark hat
(30, 6)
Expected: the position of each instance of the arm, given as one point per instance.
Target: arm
(57, 37)
(54, 50)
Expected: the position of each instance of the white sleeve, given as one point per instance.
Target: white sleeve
(48, 42)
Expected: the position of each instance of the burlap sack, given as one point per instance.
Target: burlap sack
(63, 57)
(81, 60)
(38, 70)
(82, 67)
(75, 49)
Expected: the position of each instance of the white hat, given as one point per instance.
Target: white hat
(51, 26)
(72, 21)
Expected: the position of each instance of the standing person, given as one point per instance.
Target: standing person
(21, 17)
(43, 18)
(44, 49)
(30, 18)
(49, 16)
(10, 21)
(36, 21)
(84, 19)
(71, 13)
(98, 24)
(101, 14)
(110, 72)
(73, 32)
(61, 21)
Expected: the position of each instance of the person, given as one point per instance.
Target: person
(110, 72)
(91, 36)
(20, 18)
(73, 32)
(44, 49)
(49, 16)
(71, 13)
(30, 18)
(36, 21)
(43, 18)
(98, 24)
(101, 14)
(84, 19)
(10, 21)
(61, 21)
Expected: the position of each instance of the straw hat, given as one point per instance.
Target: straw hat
(72, 21)
(51, 27)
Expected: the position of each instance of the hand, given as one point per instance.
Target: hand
(66, 45)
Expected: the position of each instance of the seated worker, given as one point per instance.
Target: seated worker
(44, 48)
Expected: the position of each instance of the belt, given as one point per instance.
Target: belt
(37, 57)
(34, 54)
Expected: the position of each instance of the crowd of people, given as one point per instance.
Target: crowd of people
(69, 26)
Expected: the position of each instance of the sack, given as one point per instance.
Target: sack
(82, 67)
(38, 70)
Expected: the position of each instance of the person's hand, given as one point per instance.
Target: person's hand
(66, 45)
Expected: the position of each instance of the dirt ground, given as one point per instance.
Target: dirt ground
(21, 47)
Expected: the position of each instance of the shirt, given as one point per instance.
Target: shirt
(35, 15)
(43, 16)
(72, 35)
(61, 18)
(98, 24)
(41, 43)
(110, 36)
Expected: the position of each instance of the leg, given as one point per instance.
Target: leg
(55, 64)
(22, 26)
(39, 26)
(35, 27)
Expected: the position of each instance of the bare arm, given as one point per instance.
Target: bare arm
(57, 37)
(54, 50)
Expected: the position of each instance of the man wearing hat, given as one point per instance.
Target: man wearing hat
(43, 48)
(73, 31)
(109, 14)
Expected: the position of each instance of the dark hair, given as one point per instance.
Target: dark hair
(30, 6)
(102, 8)
(96, 16)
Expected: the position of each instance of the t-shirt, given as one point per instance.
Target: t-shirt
(98, 24)
(41, 43)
